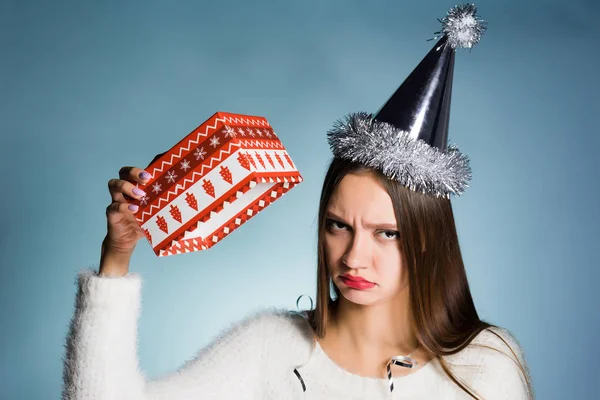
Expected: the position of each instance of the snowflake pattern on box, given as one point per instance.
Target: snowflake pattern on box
(175, 213)
(185, 165)
(241, 131)
(208, 187)
(214, 141)
(229, 131)
(200, 153)
(226, 174)
(171, 176)
(250, 132)
(156, 187)
(162, 224)
(191, 200)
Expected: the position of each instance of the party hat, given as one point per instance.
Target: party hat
(407, 138)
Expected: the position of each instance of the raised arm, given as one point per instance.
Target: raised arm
(101, 360)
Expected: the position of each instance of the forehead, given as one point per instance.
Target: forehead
(362, 196)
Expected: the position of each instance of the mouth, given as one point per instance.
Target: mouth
(357, 279)
(356, 283)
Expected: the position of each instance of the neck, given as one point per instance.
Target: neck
(382, 329)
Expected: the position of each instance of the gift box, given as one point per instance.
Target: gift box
(215, 179)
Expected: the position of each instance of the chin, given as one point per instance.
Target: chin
(361, 297)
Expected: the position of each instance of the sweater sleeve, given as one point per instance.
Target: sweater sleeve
(101, 360)
(499, 373)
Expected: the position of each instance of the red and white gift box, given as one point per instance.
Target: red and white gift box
(216, 178)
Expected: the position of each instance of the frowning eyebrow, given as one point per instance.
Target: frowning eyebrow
(370, 225)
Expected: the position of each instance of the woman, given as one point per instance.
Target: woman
(369, 227)
(401, 324)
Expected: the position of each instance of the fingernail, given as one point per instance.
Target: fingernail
(138, 191)
(145, 175)
(133, 207)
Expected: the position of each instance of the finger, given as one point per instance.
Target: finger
(134, 174)
(140, 231)
(121, 190)
(115, 192)
(117, 210)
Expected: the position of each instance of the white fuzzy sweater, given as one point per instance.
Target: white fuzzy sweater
(254, 359)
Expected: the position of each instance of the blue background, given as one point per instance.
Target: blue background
(88, 88)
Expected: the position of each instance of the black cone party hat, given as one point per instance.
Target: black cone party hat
(421, 105)
(407, 138)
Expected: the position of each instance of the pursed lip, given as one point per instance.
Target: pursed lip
(354, 278)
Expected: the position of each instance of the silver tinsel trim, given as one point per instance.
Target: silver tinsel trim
(413, 163)
(462, 26)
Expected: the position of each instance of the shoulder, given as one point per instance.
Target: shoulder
(494, 364)
(277, 336)
(281, 329)
(280, 320)
(496, 340)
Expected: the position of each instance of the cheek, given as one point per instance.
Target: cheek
(334, 251)
(391, 265)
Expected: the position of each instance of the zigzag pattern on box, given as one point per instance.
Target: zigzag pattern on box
(228, 119)
(177, 153)
(238, 192)
(233, 197)
(181, 235)
(187, 182)
(261, 144)
(230, 199)
(258, 205)
(185, 148)
(292, 177)
(234, 192)
(184, 246)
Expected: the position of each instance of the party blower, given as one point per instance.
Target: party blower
(215, 179)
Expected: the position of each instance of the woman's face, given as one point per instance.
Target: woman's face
(362, 247)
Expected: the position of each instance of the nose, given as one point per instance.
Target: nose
(358, 253)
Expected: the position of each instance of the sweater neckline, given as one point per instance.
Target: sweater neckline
(347, 382)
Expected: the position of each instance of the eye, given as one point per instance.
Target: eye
(335, 225)
(391, 234)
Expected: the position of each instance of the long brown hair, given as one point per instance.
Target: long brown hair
(444, 315)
